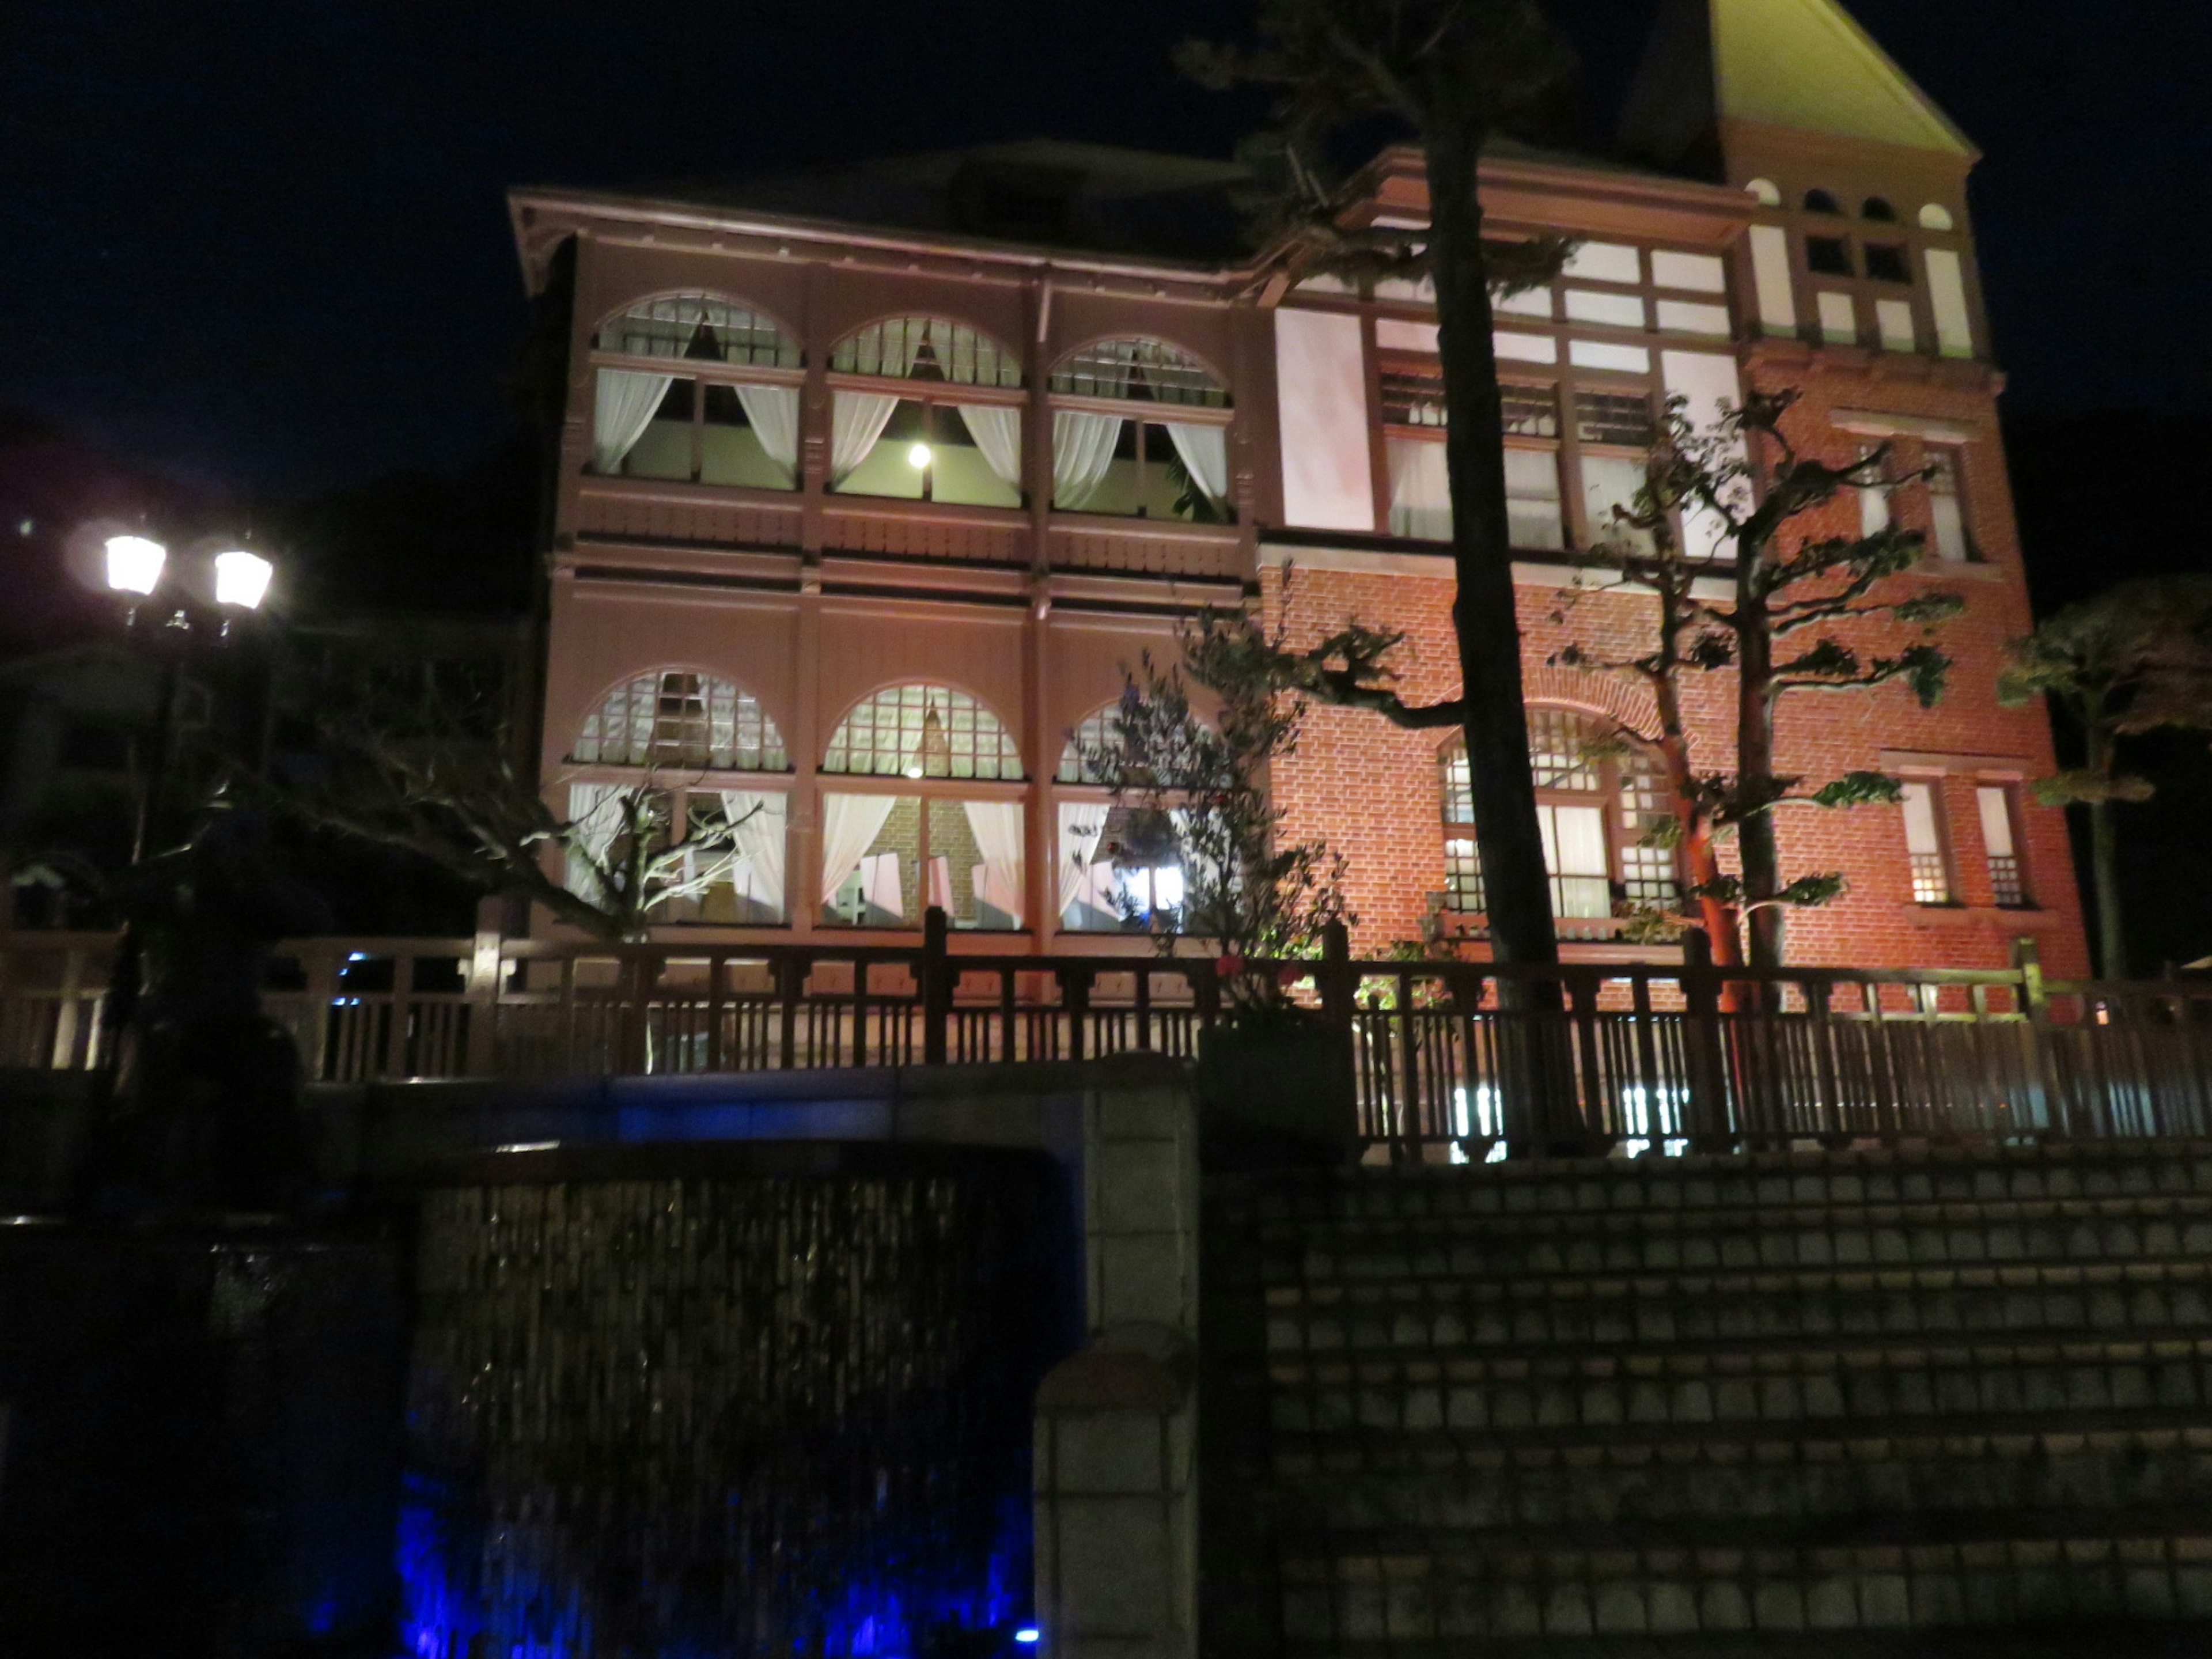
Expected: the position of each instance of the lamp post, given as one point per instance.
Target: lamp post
(179, 608)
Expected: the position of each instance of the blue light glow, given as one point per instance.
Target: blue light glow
(1029, 1636)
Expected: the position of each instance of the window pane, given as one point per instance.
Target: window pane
(1144, 369)
(1931, 879)
(1532, 498)
(1575, 854)
(663, 450)
(2008, 883)
(870, 860)
(923, 732)
(1608, 481)
(1420, 491)
(1947, 519)
(1529, 411)
(677, 719)
(1623, 419)
(1413, 400)
(1558, 742)
(730, 451)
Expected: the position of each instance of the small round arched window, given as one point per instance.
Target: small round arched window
(1878, 207)
(1935, 216)
(1821, 200)
(1764, 191)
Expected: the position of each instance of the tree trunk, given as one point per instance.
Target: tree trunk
(1515, 880)
(1755, 762)
(1700, 861)
(2104, 862)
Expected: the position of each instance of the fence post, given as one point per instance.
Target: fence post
(322, 975)
(2035, 1004)
(1338, 986)
(487, 959)
(936, 986)
(1708, 1124)
(633, 975)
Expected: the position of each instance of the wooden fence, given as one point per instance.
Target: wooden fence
(1450, 1059)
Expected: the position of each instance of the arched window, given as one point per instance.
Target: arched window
(1598, 792)
(952, 433)
(1764, 191)
(919, 731)
(1878, 207)
(887, 856)
(1076, 760)
(1140, 428)
(1822, 201)
(1935, 216)
(680, 722)
(730, 416)
(677, 719)
(701, 326)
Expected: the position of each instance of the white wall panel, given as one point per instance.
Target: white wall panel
(1769, 266)
(1320, 386)
(1707, 383)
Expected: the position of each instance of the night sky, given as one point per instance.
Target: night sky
(264, 246)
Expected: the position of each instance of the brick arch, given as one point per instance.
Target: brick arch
(1608, 696)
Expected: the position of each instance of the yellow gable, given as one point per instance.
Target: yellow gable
(1805, 64)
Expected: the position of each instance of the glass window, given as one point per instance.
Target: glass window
(730, 869)
(1599, 794)
(889, 858)
(699, 326)
(1887, 263)
(926, 348)
(1947, 516)
(1829, 256)
(677, 719)
(2008, 880)
(918, 731)
(1133, 458)
(1923, 844)
(1121, 869)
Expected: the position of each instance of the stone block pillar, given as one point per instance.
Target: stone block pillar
(1116, 1493)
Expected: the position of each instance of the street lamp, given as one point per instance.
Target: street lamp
(197, 595)
(134, 564)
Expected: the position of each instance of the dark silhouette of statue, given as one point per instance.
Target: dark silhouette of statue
(205, 1115)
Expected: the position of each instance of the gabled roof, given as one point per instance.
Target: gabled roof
(1804, 64)
(1807, 64)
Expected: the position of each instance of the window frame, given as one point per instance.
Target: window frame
(1945, 867)
(1565, 385)
(1135, 411)
(701, 372)
(939, 398)
(1622, 835)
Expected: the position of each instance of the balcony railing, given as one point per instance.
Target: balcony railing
(1450, 1059)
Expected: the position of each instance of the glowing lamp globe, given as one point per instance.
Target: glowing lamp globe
(919, 455)
(242, 579)
(134, 563)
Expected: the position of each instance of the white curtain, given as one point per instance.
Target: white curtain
(1204, 452)
(1081, 826)
(756, 818)
(1420, 490)
(1575, 851)
(997, 430)
(857, 419)
(997, 826)
(941, 885)
(850, 824)
(1082, 451)
(773, 412)
(623, 408)
(594, 809)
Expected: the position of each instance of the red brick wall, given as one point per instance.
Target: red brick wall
(1371, 790)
